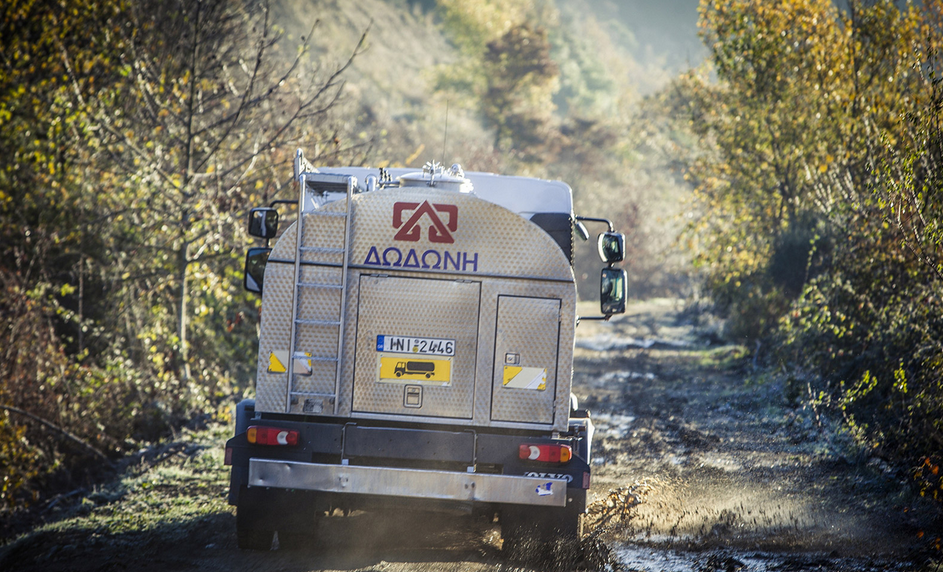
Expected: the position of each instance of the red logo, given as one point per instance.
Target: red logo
(411, 230)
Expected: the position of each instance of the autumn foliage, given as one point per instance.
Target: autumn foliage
(821, 202)
(135, 136)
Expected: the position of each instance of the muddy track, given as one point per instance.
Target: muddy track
(697, 466)
(728, 473)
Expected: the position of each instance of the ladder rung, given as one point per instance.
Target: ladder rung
(326, 213)
(302, 357)
(317, 322)
(319, 285)
(323, 249)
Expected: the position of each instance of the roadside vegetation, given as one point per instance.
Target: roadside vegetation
(804, 161)
(169, 494)
(135, 137)
(818, 203)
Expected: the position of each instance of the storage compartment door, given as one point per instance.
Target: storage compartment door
(417, 346)
(525, 359)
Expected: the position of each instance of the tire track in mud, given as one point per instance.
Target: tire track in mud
(728, 475)
(695, 468)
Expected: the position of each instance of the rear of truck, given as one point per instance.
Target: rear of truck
(416, 350)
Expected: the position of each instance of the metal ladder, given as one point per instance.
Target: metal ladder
(305, 173)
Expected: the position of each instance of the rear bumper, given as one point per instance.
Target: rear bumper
(408, 483)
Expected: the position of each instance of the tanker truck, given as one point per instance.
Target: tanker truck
(416, 351)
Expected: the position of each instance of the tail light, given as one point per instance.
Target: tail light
(546, 453)
(260, 435)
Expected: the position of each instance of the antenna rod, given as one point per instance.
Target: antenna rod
(445, 137)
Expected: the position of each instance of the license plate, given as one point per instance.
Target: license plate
(410, 345)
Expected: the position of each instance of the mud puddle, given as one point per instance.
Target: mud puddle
(640, 558)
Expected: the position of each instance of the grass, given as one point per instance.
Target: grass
(172, 489)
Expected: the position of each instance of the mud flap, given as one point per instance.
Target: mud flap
(528, 530)
(260, 513)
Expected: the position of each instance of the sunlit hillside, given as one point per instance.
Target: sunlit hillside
(609, 57)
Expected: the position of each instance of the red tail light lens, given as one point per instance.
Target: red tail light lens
(260, 435)
(546, 453)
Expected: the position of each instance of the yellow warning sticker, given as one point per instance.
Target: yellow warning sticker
(517, 377)
(275, 365)
(405, 368)
(278, 359)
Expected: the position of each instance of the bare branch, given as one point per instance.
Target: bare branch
(68, 435)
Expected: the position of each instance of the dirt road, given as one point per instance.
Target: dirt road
(698, 465)
(727, 474)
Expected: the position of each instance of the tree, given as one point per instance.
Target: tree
(823, 163)
(521, 80)
(204, 103)
(53, 248)
(135, 137)
(802, 90)
(507, 72)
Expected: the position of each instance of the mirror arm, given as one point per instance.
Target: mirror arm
(600, 220)
(593, 318)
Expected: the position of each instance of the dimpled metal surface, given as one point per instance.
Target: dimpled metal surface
(530, 328)
(442, 309)
(529, 408)
(316, 302)
(496, 251)
(487, 239)
(275, 330)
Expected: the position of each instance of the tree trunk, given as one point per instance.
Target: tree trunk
(183, 263)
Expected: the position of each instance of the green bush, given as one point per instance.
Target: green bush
(822, 200)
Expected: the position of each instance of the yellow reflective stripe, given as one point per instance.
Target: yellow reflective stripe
(275, 365)
(278, 359)
(516, 377)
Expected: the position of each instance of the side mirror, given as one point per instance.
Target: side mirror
(611, 247)
(263, 222)
(256, 259)
(612, 291)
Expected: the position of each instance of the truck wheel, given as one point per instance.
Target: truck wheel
(517, 545)
(527, 531)
(250, 535)
(260, 513)
(253, 539)
(570, 526)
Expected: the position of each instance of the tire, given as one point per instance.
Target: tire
(250, 532)
(517, 545)
(294, 540)
(527, 531)
(298, 520)
(260, 513)
(253, 539)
